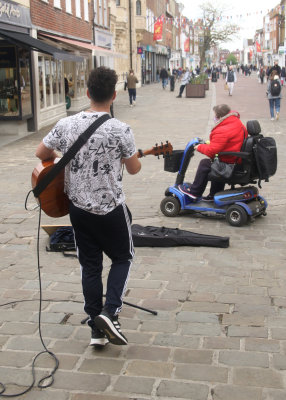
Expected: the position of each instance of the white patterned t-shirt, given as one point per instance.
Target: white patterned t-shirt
(93, 178)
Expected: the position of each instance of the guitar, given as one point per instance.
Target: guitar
(54, 201)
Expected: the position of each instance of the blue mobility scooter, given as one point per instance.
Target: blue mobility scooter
(237, 204)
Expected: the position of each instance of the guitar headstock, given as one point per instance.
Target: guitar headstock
(162, 149)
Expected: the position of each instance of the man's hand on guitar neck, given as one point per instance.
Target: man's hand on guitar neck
(44, 153)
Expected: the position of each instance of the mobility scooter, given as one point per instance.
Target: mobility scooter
(238, 204)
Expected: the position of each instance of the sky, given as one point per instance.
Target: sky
(236, 11)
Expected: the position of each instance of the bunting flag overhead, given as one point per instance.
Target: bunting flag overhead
(158, 30)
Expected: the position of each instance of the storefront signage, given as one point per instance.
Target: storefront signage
(103, 39)
(139, 50)
(14, 14)
(161, 49)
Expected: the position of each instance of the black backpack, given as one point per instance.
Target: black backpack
(275, 87)
(265, 154)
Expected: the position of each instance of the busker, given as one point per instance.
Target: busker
(98, 213)
(227, 135)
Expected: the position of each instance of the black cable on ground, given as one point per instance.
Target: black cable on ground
(49, 379)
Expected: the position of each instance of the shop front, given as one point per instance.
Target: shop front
(161, 56)
(20, 88)
(148, 65)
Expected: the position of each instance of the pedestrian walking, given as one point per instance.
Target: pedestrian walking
(274, 94)
(164, 76)
(100, 218)
(184, 80)
(261, 74)
(230, 79)
(131, 86)
(276, 68)
(224, 71)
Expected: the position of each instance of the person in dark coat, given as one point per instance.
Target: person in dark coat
(276, 68)
(164, 76)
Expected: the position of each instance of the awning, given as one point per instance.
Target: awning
(100, 51)
(27, 41)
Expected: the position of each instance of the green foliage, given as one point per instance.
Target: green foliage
(231, 60)
(198, 80)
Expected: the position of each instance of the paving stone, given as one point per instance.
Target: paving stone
(279, 361)
(176, 341)
(134, 385)
(237, 319)
(269, 346)
(199, 372)
(84, 396)
(278, 333)
(150, 368)
(258, 377)
(148, 353)
(193, 356)
(205, 307)
(201, 329)
(244, 331)
(194, 391)
(248, 359)
(200, 317)
(272, 394)
(227, 392)
(221, 343)
(159, 326)
(102, 366)
(80, 381)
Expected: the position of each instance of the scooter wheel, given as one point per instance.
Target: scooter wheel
(236, 215)
(170, 206)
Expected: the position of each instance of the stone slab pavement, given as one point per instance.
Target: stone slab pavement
(220, 332)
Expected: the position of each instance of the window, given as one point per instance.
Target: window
(117, 3)
(105, 13)
(138, 7)
(57, 3)
(100, 12)
(50, 82)
(95, 12)
(86, 10)
(68, 6)
(77, 8)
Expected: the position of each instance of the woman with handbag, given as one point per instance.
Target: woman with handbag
(227, 135)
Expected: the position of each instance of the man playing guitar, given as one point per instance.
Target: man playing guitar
(98, 213)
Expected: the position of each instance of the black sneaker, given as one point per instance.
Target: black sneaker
(98, 338)
(208, 198)
(110, 326)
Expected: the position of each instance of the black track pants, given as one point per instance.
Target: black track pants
(95, 234)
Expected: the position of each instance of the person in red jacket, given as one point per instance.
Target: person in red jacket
(227, 135)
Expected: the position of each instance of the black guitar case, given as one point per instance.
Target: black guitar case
(62, 239)
(152, 236)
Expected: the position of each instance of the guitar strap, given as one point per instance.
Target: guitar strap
(81, 140)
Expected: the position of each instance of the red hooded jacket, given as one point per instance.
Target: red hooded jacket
(227, 135)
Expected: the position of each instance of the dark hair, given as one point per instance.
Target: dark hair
(101, 84)
(221, 110)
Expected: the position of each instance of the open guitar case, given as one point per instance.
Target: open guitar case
(61, 238)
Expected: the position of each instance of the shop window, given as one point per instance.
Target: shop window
(138, 7)
(81, 78)
(25, 82)
(9, 95)
(50, 82)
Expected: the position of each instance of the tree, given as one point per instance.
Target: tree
(214, 30)
(231, 60)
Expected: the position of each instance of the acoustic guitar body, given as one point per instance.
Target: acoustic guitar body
(53, 200)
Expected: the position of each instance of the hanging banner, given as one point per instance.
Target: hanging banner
(258, 47)
(158, 30)
(187, 45)
(250, 54)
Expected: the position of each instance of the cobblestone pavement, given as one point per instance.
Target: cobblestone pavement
(220, 332)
